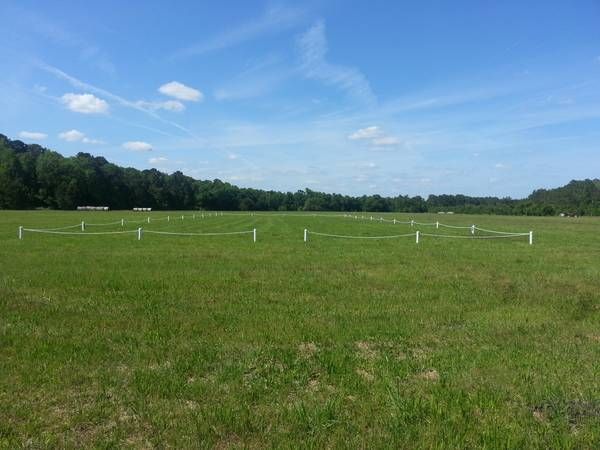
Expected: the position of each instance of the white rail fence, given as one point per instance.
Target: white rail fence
(495, 234)
(139, 232)
(472, 228)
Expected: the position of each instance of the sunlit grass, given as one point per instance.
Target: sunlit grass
(218, 341)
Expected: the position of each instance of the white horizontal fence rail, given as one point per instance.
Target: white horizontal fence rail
(71, 233)
(60, 228)
(118, 222)
(307, 232)
(173, 233)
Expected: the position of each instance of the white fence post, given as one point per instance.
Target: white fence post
(82, 225)
(148, 220)
(437, 224)
(20, 232)
(412, 223)
(181, 217)
(122, 222)
(417, 235)
(139, 234)
(168, 218)
(472, 229)
(371, 217)
(305, 235)
(531, 238)
(254, 235)
(394, 221)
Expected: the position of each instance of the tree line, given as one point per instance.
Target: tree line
(32, 176)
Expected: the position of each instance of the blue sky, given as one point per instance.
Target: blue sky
(423, 97)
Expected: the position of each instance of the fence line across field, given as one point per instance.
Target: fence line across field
(419, 234)
(436, 224)
(225, 233)
(139, 232)
(71, 233)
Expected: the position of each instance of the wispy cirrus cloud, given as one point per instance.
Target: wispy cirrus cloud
(169, 105)
(273, 20)
(312, 46)
(259, 79)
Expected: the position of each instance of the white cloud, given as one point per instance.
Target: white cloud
(85, 103)
(71, 136)
(180, 91)
(33, 135)
(366, 133)
(169, 105)
(385, 140)
(158, 160)
(232, 156)
(137, 146)
(77, 136)
(375, 135)
(501, 166)
(313, 48)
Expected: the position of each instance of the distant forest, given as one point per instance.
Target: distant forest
(32, 176)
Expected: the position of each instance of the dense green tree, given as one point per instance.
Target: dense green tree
(32, 176)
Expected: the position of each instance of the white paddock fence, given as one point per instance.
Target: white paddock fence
(418, 236)
(139, 232)
(472, 228)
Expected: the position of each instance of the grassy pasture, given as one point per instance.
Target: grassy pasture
(216, 342)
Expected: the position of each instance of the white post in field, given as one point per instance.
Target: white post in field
(437, 224)
(254, 235)
(412, 223)
(82, 225)
(417, 234)
(371, 217)
(122, 222)
(168, 218)
(139, 234)
(472, 229)
(20, 232)
(531, 238)
(181, 217)
(305, 235)
(394, 221)
(148, 220)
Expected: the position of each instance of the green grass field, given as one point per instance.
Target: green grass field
(217, 342)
